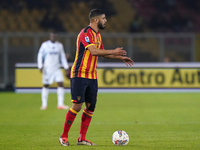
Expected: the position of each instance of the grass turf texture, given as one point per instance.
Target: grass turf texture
(153, 121)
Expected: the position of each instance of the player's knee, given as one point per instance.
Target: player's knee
(77, 107)
(92, 107)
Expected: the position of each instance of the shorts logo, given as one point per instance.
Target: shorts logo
(78, 98)
(87, 39)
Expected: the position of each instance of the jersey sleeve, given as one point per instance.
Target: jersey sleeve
(63, 58)
(40, 56)
(87, 39)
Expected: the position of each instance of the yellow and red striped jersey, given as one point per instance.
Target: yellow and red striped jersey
(85, 63)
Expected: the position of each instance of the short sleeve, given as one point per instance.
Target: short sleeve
(86, 39)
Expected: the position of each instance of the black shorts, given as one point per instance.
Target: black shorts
(84, 90)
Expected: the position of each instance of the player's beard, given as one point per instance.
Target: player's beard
(100, 25)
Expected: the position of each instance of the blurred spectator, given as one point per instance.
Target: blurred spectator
(69, 57)
(191, 4)
(161, 6)
(101, 4)
(167, 59)
(137, 24)
(159, 22)
(170, 15)
(48, 5)
(51, 21)
(64, 5)
(37, 4)
(12, 5)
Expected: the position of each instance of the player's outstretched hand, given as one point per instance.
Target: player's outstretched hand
(128, 61)
(119, 51)
(67, 72)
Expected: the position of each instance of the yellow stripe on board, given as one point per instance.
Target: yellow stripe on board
(122, 78)
(32, 78)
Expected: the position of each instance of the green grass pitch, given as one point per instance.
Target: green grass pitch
(154, 121)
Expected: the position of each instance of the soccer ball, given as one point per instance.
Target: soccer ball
(120, 137)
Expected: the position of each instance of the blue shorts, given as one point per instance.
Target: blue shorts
(84, 90)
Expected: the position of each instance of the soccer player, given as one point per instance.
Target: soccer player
(84, 76)
(50, 54)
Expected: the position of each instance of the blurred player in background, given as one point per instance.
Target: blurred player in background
(84, 86)
(50, 56)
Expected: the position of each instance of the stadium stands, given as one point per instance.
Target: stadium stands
(169, 15)
(42, 15)
(123, 16)
(144, 16)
